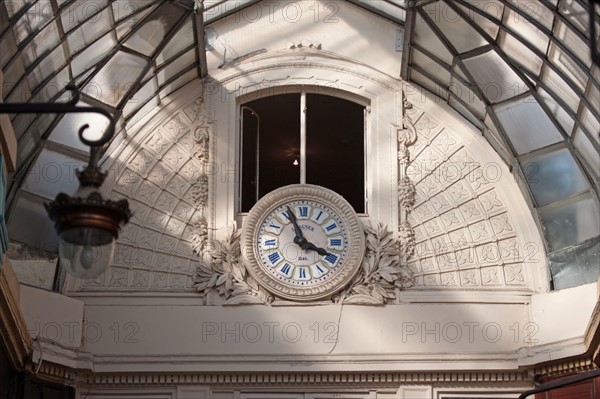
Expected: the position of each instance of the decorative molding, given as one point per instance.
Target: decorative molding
(200, 187)
(349, 69)
(368, 380)
(565, 368)
(62, 374)
(304, 44)
(53, 372)
(465, 236)
(406, 136)
(166, 178)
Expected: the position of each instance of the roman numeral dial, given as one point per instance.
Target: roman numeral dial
(301, 240)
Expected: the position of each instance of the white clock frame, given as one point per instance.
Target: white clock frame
(263, 210)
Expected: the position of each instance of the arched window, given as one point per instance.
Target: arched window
(302, 138)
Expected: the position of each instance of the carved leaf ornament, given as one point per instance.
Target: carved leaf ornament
(378, 281)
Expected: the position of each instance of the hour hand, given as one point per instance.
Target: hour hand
(311, 246)
(299, 234)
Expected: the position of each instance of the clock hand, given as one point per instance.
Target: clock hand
(299, 236)
(309, 245)
(299, 239)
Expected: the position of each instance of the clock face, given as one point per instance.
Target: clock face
(287, 260)
(303, 242)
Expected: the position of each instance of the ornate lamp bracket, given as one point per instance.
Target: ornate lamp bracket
(85, 220)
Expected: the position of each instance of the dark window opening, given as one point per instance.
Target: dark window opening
(272, 156)
(335, 147)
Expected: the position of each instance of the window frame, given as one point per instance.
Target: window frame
(243, 99)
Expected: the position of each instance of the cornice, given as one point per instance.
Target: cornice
(564, 368)
(52, 372)
(13, 329)
(290, 380)
(372, 380)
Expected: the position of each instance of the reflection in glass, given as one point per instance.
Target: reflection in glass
(570, 223)
(576, 265)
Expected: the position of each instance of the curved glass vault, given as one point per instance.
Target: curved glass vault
(519, 70)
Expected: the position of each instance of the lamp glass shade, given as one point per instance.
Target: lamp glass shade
(85, 252)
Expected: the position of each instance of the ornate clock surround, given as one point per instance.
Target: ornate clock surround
(351, 262)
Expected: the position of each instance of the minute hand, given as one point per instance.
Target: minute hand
(299, 235)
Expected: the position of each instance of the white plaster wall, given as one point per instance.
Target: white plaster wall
(559, 322)
(183, 337)
(337, 25)
(176, 335)
(52, 317)
(562, 314)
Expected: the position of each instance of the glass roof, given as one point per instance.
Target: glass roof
(519, 70)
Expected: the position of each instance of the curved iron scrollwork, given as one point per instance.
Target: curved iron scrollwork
(85, 220)
(66, 108)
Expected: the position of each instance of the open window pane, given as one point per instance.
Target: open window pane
(271, 130)
(335, 147)
(271, 154)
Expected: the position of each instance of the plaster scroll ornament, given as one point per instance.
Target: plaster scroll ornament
(304, 44)
(200, 236)
(200, 187)
(201, 137)
(407, 136)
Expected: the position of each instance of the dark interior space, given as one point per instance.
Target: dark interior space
(334, 146)
(278, 143)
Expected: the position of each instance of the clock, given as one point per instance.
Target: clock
(302, 242)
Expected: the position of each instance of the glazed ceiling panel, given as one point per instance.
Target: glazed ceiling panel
(518, 70)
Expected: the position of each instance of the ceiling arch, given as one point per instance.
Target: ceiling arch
(520, 71)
